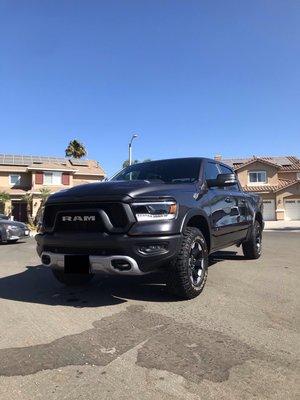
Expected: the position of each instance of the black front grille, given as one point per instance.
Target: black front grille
(78, 213)
(78, 221)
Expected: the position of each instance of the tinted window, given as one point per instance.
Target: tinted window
(211, 170)
(184, 170)
(225, 170)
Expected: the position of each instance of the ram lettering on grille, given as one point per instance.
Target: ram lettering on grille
(76, 218)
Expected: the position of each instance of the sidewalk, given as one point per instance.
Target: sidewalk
(282, 226)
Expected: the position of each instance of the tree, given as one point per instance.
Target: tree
(4, 197)
(75, 149)
(44, 194)
(126, 162)
(27, 198)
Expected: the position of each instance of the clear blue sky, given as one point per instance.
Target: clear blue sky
(192, 77)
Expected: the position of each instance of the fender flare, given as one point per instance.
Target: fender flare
(194, 213)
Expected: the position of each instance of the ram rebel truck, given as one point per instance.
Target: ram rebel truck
(165, 215)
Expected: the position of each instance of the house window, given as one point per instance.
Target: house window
(52, 178)
(14, 180)
(257, 177)
(298, 175)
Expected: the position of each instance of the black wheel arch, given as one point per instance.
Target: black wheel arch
(198, 219)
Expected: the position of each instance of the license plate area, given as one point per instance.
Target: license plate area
(77, 264)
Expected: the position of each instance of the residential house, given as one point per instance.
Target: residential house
(275, 179)
(20, 175)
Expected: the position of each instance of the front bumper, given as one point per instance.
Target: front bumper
(16, 234)
(102, 249)
(110, 264)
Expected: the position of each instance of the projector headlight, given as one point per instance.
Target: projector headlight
(155, 211)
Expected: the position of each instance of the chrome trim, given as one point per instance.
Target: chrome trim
(142, 203)
(98, 263)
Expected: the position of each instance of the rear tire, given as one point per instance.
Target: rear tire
(72, 279)
(253, 247)
(188, 274)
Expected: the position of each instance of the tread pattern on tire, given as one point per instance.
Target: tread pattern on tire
(179, 283)
(249, 248)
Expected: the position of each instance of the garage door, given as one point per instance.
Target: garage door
(269, 210)
(292, 209)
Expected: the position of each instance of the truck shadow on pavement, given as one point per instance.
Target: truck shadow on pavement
(37, 285)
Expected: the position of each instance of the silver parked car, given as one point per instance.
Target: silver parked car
(12, 231)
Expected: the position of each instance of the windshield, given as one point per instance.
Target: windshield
(184, 170)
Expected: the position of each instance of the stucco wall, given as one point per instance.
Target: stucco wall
(25, 179)
(272, 177)
(81, 179)
(290, 192)
(287, 175)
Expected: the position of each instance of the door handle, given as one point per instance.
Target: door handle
(227, 199)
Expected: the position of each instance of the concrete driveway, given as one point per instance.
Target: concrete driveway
(127, 339)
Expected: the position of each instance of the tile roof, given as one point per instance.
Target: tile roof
(283, 183)
(284, 163)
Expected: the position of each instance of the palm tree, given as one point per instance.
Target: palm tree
(4, 197)
(75, 149)
(44, 194)
(27, 198)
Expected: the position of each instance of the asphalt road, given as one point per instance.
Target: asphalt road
(127, 339)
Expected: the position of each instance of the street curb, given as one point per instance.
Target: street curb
(283, 230)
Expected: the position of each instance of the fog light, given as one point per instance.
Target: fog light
(121, 265)
(155, 248)
(46, 260)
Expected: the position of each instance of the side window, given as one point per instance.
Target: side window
(211, 170)
(227, 170)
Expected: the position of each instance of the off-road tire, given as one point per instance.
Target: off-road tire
(72, 279)
(252, 247)
(179, 282)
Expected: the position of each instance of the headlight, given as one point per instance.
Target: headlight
(155, 211)
(11, 227)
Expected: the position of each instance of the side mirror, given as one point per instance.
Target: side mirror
(222, 180)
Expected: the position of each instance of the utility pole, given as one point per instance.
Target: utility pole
(130, 147)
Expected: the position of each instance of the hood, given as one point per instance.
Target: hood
(14, 223)
(119, 191)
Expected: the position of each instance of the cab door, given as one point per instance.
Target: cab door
(222, 209)
(241, 219)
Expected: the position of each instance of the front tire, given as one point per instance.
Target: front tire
(188, 274)
(253, 247)
(72, 279)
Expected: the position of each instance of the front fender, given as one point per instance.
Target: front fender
(194, 213)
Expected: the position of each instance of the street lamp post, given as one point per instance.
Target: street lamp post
(130, 147)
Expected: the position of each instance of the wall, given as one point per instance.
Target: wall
(290, 192)
(81, 179)
(287, 175)
(272, 177)
(25, 179)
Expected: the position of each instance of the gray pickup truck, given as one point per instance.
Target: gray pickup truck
(159, 215)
